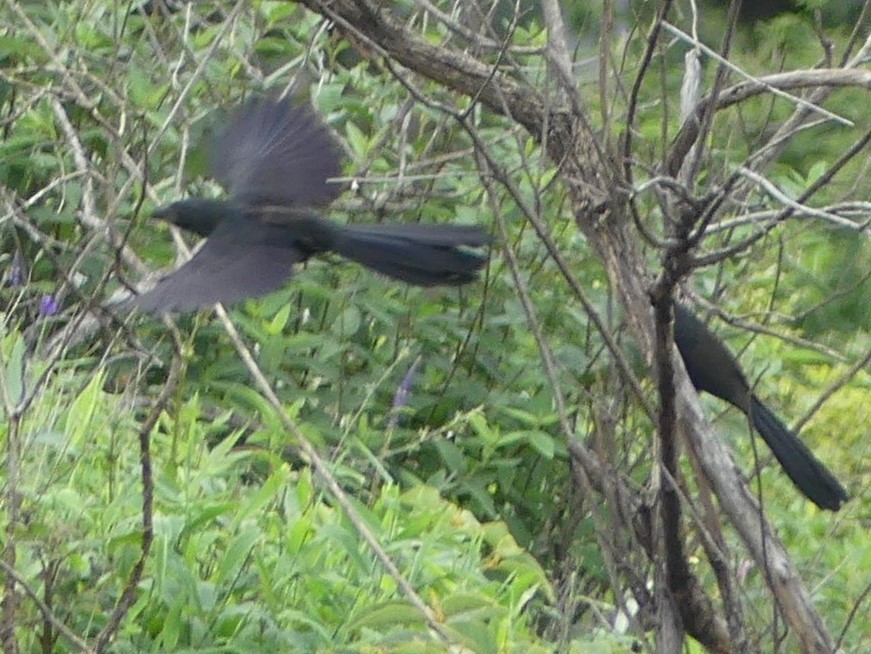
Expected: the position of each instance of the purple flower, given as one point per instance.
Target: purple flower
(403, 392)
(47, 305)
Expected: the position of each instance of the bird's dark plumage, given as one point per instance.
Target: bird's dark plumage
(232, 265)
(275, 152)
(275, 159)
(712, 368)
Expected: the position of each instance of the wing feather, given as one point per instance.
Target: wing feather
(235, 262)
(273, 151)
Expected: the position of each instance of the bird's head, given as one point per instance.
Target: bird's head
(198, 215)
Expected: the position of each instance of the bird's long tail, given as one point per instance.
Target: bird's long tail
(423, 255)
(809, 475)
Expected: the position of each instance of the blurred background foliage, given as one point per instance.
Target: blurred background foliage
(467, 482)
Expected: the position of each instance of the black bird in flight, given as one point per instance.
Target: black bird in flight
(275, 157)
(712, 368)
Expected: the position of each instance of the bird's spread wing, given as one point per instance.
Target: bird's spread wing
(273, 151)
(236, 262)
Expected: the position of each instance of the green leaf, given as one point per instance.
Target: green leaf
(543, 443)
(388, 614)
(14, 374)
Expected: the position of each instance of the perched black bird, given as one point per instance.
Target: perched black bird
(275, 159)
(712, 368)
